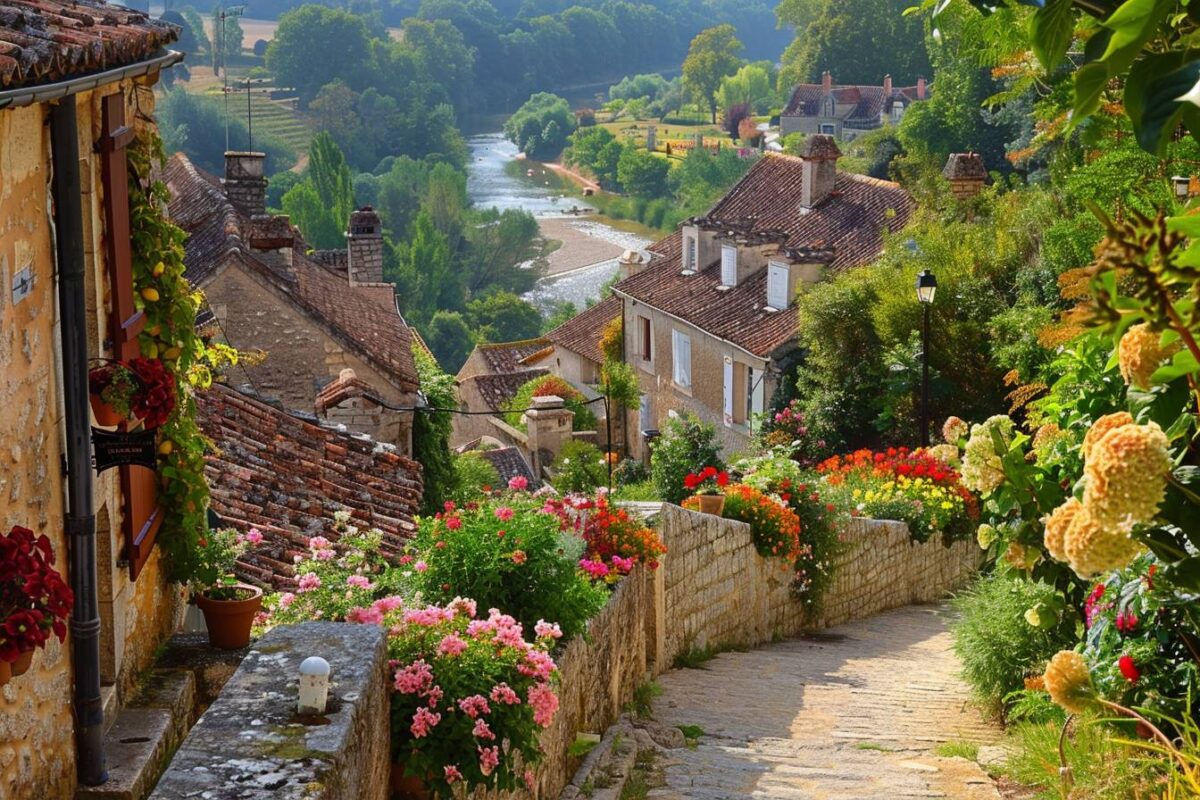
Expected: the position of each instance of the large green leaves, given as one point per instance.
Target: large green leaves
(1051, 30)
(1151, 97)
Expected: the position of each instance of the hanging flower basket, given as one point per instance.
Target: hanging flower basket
(34, 600)
(141, 388)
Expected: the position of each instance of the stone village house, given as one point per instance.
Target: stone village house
(846, 112)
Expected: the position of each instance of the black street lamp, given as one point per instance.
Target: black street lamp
(926, 288)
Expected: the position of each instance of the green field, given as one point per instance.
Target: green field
(270, 117)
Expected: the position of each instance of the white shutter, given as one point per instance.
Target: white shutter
(686, 341)
(682, 359)
(728, 265)
(676, 354)
(728, 390)
(756, 380)
(777, 282)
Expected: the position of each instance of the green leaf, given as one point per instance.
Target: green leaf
(1165, 544)
(1051, 30)
(1151, 90)
(1185, 573)
(1090, 81)
(1132, 24)
(1183, 363)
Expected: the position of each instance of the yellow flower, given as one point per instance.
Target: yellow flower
(1057, 523)
(982, 470)
(1103, 426)
(1139, 355)
(1068, 681)
(1127, 474)
(1092, 547)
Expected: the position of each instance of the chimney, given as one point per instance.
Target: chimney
(820, 169)
(966, 174)
(826, 82)
(272, 240)
(920, 88)
(364, 243)
(245, 182)
(887, 86)
(631, 263)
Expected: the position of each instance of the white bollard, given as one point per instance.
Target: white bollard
(314, 685)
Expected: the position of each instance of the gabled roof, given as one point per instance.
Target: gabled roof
(510, 463)
(581, 333)
(287, 476)
(844, 231)
(363, 318)
(46, 41)
(503, 357)
(868, 101)
(498, 390)
(345, 386)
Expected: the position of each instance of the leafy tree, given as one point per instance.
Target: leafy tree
(194, 124)
(712, 56)
(686, 445)
(278, 185)
(449, 337)
(642, 174)
(196, 27)
(500, 247)
(702, 177)
(592, 149)
(752, 85)
(314, 45)
(432, 430)
(309, 213)
(633, 86)
(503, 317)
(425, 278)
(541, 126)
(734, 115)
(228, 39)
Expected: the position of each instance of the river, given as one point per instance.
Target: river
(498, 178)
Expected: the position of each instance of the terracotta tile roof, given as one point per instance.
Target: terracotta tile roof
(345, 386)
(869, 101)
(844, 231)
(498, 390)
(45, 41)
(581, 334)
(503, 357)
(287, 476)
(363, 318)
(965, 166)
(509, 462)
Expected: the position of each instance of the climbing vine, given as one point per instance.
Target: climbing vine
(170, 304)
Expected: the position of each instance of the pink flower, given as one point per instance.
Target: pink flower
(518, 483)
(538, 665)
(475, 705)
(420, 566)
(423, 721)
(596, 569)
(452, 774)
(319, 543)
(365, 616)
(415, 678)
(434, 695)
(360, 581)
(308, 582)
(385, 604)
(254, 536)
(489, 759)
(518, 557)
(509, 636)
(452, 646)
(622, 565)
(453, 523)
(286, 599)
(504, 513)
(405, 560)
(503, 693)
(323, 555)
(482, 730)
(530, 781)
(547, 630)
(449, 506)
(464, 606)
(544, 702)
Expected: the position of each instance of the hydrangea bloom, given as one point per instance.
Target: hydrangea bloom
(1102, 426)
(954, 430)
(1057, 523)
(1068, 681)
(982, 470)
(1139, 355)
(945, 453)
(1092, 547)
(1127, 473)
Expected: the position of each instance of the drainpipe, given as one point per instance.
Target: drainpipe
(80, 518)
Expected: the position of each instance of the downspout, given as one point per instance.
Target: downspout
(80, 517)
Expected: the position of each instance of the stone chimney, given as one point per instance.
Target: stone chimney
(272, 239)
(920, 88)
(364, 241)
(631, 263)
(887, 86)
(826, 82)
(548, 425)
(245, 182)
(966, 174)
(820, 169)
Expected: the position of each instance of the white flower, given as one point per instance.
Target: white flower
(1191, 96)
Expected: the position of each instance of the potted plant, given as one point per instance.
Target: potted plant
(706, 486)
(229, 606)
(111, 386)
(142, 388)
(34, 600)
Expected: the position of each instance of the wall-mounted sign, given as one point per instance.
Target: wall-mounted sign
(116, 448)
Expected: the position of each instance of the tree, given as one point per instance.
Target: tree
(713, 55)
(310, 214)
(425, 278)
(632, 87)
(642, 174)
(540, 127)
(591, 149)
(504, 317)
(330, 176)
(752, 85)
(449, 337)
(228, 39)
(314, 45)
(194, 124)
(500, 247)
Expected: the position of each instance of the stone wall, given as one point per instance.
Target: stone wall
(250, 743)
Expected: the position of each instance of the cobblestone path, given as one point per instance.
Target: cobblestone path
(851, 713)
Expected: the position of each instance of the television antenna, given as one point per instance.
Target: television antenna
(219, 61)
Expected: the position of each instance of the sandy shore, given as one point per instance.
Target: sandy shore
(579, 248)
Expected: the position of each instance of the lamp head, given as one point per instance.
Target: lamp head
(926, 286)
(1181, 186)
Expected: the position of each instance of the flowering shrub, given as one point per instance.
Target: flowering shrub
(508, 553)
(910, 486)
(614, 540)
(216, 560)
(545, 386)
(709, 480)
(470, 695)
(34, 599)
(580, 467)
(685, 442)
(774, 527)
(787, 429)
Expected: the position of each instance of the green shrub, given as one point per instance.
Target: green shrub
(996, 644)
(474, 477)
(579, 468)
(545, 386)
(686, 445)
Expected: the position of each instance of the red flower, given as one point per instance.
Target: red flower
(1129, 669)
(722, 479)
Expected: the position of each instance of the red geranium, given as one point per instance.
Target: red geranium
(1129, 669)
(34, 599)
(155, 399)
(710, 480)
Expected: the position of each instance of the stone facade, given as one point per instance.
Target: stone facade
(251, 743)
(37, 751)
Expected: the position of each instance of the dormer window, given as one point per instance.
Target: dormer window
(897, 110)
(691, 249)
(777, 285)
(830, 107)
(729, 256)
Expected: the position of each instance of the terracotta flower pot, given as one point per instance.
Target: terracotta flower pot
(21, 665)
(711, 503)
(229, 621)
(5, 672)
(407, 787)
(106, 416)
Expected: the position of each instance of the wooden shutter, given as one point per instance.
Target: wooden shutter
(728, 383)
(644, 332)
(139, 485)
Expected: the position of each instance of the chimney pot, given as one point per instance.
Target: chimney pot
(245, 182)
(920, 88)
(966, 173)
(826, 82)
(364, 244)
(887, 86)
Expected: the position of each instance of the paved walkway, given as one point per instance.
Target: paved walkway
(851, 713)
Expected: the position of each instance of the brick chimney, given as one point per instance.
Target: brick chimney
(826, 82)
(920, 88)
(820, 169)
(245, 182)
(364, 241)
(966, 174)
(887, 86)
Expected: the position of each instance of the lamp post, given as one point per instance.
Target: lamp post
(926, 288)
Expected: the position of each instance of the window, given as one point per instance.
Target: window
(645, 421)
(690, 250)
(828, 128)
(736, 374)
(777, 285)
(644, 338)
(729, 255)
(897, 111)
(681, 359)
(830, 107)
